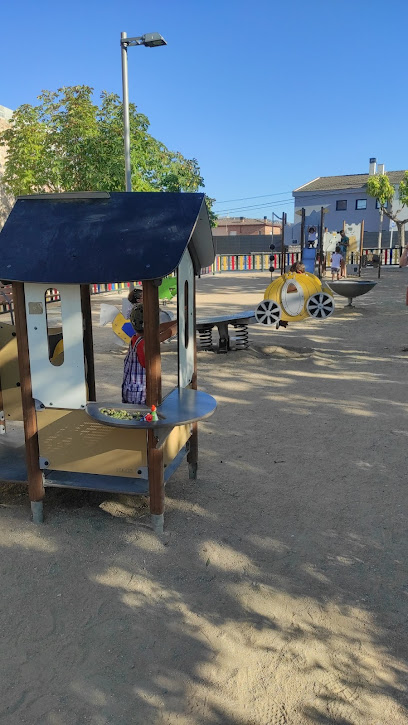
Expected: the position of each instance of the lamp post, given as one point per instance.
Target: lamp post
(149, 40)
(272, 247)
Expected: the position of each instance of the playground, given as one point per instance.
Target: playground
(278, 593)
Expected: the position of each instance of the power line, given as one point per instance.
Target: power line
(254, 206)
(260, 196)
(305, 202)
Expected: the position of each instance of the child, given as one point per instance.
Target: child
(298, 267)
(336, 263)
(134, 297)
(134, 368)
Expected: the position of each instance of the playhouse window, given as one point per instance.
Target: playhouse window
(53, 318)
(186, 314)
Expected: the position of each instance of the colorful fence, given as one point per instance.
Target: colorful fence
(387, 257)
(261, 262)
(256, 262)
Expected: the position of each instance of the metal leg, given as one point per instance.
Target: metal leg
(224, 343)
(37, 512)
(192, 471)
(157, 523)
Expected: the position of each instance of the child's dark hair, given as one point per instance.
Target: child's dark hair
(338, 250)
(135, 295)
(136, 318)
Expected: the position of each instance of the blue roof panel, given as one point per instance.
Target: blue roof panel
(103, 237)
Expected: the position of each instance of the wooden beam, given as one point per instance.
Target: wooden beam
(153, 397)
(152, 343)
(361, 247)
(2, 422)
(34, 473)
(88, 340)
(192, 455)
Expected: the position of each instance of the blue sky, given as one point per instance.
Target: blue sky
(265, 95)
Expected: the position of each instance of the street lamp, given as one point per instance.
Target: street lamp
(150, 40)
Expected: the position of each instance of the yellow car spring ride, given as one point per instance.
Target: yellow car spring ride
(293, 297)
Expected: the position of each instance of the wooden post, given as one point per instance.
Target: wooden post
(283, 243)
(302, 230)
(2, 422)
(88, 340)
(34, 473)
(153, 397)
(321, 241)
(192, 455)
(361, 247)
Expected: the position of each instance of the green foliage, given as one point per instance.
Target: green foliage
(68, 143)
(380, 188)
(403, 190)
(212, 215)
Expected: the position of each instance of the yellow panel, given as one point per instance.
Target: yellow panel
(174, 443)
(9, 373)
(71, 441)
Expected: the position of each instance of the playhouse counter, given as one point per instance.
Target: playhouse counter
(180, 407)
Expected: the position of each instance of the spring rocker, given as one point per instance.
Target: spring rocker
(68, 241)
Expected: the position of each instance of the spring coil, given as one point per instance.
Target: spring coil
(206, 338)
(241, 337)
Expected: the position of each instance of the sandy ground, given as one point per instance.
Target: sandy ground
(279, 594)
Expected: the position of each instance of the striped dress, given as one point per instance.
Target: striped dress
(134, 373)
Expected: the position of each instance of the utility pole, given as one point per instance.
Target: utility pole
(321, 241)
(283, 243)
(361, 247)
(380, 229)
(302, 230)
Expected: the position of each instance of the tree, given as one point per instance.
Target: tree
(380, 187)
(68, 143)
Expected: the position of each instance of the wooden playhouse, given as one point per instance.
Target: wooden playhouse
(67, 242)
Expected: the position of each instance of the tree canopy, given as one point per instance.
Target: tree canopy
(380, 187)
(69, 143)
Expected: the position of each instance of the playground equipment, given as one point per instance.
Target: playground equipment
(293, 297)
(240, 322)
(351, 288)
(67, 242)
(168, 289)
(121, 326)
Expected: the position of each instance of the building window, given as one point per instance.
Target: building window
(378, 205)
(341, 205)
(361, 203)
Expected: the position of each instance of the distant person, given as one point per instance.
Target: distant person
(343, 244)
(404, 258)
(312, 237)
(336, 261)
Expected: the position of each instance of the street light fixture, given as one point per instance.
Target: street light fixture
(149, 40)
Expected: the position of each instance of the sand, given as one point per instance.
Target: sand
(278, 595)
